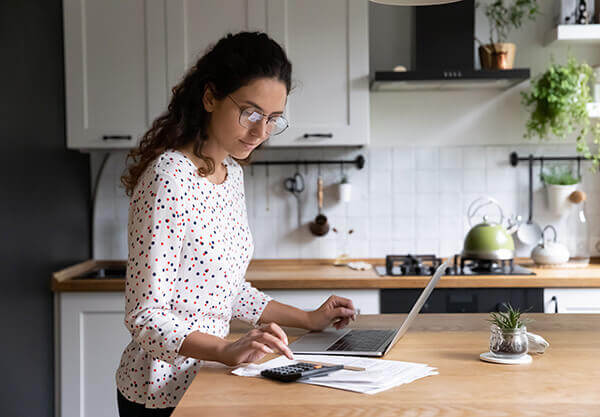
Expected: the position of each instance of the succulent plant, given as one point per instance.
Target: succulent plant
(509, 319)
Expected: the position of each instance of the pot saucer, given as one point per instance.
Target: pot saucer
(490, 357)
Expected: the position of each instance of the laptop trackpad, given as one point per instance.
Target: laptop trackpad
(317, 341)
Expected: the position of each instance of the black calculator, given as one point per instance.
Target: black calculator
(296, 371)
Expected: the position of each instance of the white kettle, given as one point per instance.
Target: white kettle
(550, 252)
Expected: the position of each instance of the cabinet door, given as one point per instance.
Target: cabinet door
(327, 43)
(91, 337)
(193, 26)
(572, 300)
(114, 70)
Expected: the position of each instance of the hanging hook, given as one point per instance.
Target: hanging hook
(579, 167)
(541, 168)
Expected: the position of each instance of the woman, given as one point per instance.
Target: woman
(188, 237)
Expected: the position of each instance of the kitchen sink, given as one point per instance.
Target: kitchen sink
(104, 273)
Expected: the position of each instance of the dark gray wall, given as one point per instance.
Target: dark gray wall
(44, 196)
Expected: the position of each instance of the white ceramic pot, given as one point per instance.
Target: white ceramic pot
(345, 192)
(558, 198)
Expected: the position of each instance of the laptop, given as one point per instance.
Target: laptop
(359, 342)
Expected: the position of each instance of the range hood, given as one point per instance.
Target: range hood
(444, 55)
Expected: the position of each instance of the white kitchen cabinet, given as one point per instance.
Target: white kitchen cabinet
(115, 70)
(193, 26)
(572, 300)
(367, 300)
(327, 43)
(89, 339)
(123, 58)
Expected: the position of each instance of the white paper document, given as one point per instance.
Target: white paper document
(379, 374)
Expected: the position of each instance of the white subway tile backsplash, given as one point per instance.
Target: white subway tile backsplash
(427, 158)
(380, 183)
(474, 180)
(403, 204)
(380, 159)
(451, 180)
(474, 157)
(403, 181)
(451, 158)
(404, 158)
(427, 228)
(406, 200)
(403, 228)
(380, 228)
(497, 157)
(381, 206)
(428, 205)
(450, 205)
(427, 181)
(428, 246)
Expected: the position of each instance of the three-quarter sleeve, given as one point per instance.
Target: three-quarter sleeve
(156, 230)
(250, 303)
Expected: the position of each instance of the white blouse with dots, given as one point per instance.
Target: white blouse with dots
(189, 246)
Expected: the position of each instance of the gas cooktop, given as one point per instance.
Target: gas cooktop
(425, 265)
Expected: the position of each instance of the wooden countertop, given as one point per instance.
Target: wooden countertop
(559, 383)
(269, 274)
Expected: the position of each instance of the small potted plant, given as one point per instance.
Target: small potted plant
(558, 101)
(508, 336)
(503, 15)
(560, 184)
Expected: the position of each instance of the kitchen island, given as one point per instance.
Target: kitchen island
(89, 303)
(560, 382)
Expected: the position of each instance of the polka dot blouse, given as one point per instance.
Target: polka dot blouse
(189, 247)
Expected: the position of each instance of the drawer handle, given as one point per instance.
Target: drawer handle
(555, 303)
(116, 137)
(317, 135)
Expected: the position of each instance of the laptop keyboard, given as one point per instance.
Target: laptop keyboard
(361, 341)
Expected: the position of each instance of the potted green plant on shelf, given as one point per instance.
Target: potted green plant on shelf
(558, 101)
(560, 184)
(508, 337)
(503, 16)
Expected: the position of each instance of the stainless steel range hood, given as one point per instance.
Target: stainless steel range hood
(444, 55)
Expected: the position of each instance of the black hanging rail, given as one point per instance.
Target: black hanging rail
(359, 161)
(515, 158)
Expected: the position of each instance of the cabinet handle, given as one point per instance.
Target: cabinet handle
(317, 135)
(117, 137)
(555, 303)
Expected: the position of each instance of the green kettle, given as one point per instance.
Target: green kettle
(489, 240)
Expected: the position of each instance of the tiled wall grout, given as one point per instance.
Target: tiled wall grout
(405, 200)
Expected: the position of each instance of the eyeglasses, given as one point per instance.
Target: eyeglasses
(250, 117)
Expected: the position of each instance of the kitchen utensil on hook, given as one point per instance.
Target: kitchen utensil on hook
(345, 187)
(319, 227)
(295, 185)
(530, 233)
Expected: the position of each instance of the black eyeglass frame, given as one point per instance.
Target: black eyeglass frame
(269, 118)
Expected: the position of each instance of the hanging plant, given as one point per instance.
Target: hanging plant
(558, 101)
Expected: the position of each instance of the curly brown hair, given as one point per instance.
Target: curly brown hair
(233, 62)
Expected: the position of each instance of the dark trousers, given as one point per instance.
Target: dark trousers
(131, 409)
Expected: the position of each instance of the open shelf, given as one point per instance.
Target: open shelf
(574, 33)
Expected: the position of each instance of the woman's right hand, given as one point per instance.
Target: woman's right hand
(268, 338)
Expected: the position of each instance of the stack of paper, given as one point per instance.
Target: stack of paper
(379, 375)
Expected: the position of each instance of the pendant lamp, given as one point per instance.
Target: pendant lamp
(414, 2)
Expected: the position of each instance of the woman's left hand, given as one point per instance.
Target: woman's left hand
(336, 310)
